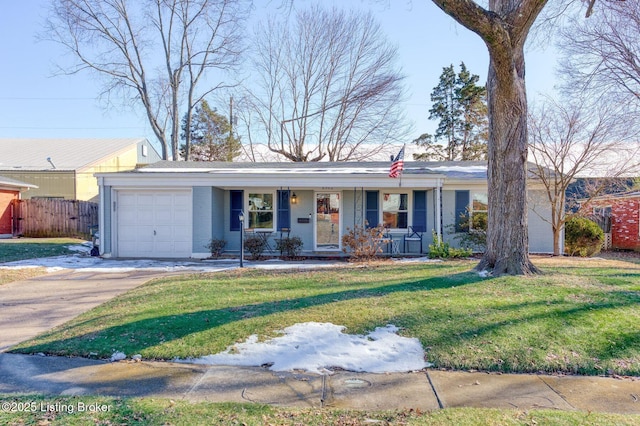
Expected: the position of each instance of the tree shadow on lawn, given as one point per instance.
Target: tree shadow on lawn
(461, 328)
(615, 347)
(135, 337)
(599, 272)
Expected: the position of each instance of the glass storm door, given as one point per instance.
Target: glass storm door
(327, 221)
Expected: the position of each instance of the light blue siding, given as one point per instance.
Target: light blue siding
(105, 234)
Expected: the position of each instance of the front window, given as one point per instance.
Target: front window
(479, 212)
(261, 211)
(395, 211)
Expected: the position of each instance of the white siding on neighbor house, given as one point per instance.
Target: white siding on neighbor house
(154, 223)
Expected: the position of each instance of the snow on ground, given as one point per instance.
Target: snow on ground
(318, 347)
(81, 260)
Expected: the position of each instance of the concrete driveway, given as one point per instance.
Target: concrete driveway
(30, 307)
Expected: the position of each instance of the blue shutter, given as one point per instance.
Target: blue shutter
(236, 200)
(372, 216)
(462, 205)
(420, 211)
(284, 210)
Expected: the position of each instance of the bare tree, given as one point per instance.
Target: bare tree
(154, 52)
(504, 27)
(325, 87)
(602, 54)
(570, 140)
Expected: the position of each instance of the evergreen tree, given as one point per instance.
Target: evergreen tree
(211, 136)
(460, 106)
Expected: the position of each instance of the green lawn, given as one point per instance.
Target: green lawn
(154, 411)
(32, 248)
(579, 317)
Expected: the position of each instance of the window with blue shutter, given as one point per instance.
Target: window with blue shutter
(284, 209)
(236, 200)
(462, 211)
(372, 215)
(420, 211)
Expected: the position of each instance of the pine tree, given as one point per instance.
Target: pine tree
(211, 136)
(473, 128)
(460, 106)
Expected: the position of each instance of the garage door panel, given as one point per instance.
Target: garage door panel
(163, 216)
(154, 223)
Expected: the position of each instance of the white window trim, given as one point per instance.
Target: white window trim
(409, 194)
(472, 195)
(274, 208)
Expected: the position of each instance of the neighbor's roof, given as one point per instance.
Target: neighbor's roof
(458, 169)
(66, 154)
(12, 183)
(629, 194)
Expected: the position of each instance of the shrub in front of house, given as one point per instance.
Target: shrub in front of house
(255, 245)
(289, 246)
(474, 237)
(442, 250)
(216, 246)
(582, 237)
(362, 243)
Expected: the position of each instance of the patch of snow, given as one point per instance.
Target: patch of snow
(81, 248)
(117, 356)
(315, 347)
(463, 169)
(416, 260)
(88, 263)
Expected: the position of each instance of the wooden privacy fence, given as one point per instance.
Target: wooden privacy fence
(54, 218)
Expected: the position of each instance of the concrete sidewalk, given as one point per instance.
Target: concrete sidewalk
(424, 390)
(30, 307)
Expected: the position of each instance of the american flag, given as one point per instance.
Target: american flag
(398, 165)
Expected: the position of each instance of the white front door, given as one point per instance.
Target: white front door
(153, 223)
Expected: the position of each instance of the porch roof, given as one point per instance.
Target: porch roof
(226, 175)
(467, 169)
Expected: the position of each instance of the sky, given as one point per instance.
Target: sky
(36, 104)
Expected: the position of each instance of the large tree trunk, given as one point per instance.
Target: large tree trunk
(504, 28)
(507, 228)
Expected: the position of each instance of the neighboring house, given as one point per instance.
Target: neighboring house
(10, 190)
(619, 217)
(174, 209)
(65, 168)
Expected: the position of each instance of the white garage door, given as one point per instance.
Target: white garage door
(154, 224)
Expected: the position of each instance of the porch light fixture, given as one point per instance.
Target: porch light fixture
(294, 198)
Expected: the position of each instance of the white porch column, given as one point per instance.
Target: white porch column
(438, 212)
